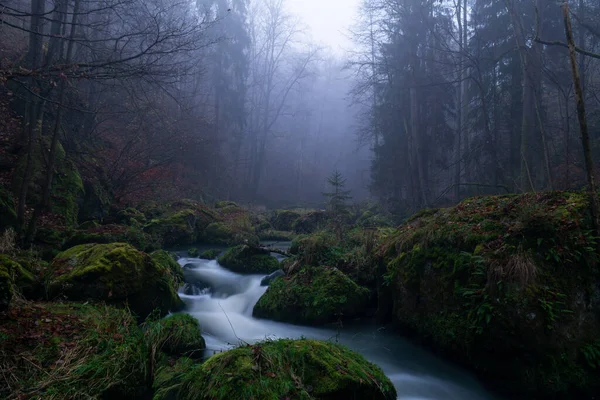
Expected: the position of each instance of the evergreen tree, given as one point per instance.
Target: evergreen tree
(336, 201)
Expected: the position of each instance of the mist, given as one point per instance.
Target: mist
(417, 104)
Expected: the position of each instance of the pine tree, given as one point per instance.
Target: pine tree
(336, 201)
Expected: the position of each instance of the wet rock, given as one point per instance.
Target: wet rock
(266, 281)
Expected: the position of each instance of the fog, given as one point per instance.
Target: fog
(416, 103)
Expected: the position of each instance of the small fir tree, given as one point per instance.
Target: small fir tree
(336, 201)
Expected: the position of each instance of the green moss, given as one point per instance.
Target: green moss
(84, 351)
(115, 272)
(20, 279)
(314, 295)
(298, 369)
(167, 261)
(311, 222)
(226, 204)
(193, 252)
(284, 220)
(178, 228)
(177, 335)
(249, 260)
(131, 216)
(6, 288)
(210, 254)
(497, 282)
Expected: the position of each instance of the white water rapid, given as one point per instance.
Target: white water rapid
(224, 310)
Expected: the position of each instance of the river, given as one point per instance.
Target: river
(225, 314)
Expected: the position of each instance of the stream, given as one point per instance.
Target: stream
(224, 310)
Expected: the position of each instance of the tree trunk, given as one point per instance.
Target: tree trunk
(583, 127)
(47, 185)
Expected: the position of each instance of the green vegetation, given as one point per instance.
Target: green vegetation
(271, 370)
(284, 220)
(249, 260)
(177, 335)
(8, 215)
(313, 295)
(496, 281)
(71, 351)
(193, 252)
(210, 254)
(115, 272)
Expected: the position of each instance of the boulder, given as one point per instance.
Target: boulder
(210, 254)
(15, 278)
(116, 273)
(284, 220)
(294, 369)
(245, 259)
(314, 295)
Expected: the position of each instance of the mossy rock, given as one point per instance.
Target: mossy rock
(319, 248)
(311, 222)
(176, 229)
(193, 252)
(273, 370)
(167, 261)
(227, 233)
(210, 254)
(249, 260)
(314, 296)
(8, 215)
(498, 283)
(284, 220)
(116, 273)
(19, 278)
(177, 335)
(131, 216)
(84, 351)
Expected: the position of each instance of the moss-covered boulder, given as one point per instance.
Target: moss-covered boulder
(8, 215)
(177, 335)
(210, 254)
(284, 220)
(508, 284)
(131, 216)
(311, 222)
(177, 228)
(81, 351)
(314, 295)
(168, 262)
(281, 236)
(15, 278)
(233, 226)
(193, 252)
(111, 233)
(319, 248)
(294, 369)
(249, 260)
(116, 273)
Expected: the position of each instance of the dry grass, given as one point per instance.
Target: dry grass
(517, 268)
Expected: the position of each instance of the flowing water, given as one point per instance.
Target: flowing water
(223, 304)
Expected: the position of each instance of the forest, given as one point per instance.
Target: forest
(209, 191)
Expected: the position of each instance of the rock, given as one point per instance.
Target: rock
(311, 222)
(249, 260)
(177, 335)
(210, 254)
(194, 289)
(314, 296)
(498, 282)
(175, 229)
(266, 281)
(16, 278)
(168, 262)
(227, 233)
(278, 369)
(131, 216)
(284, 220)
(193, 252)
(116, 273)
